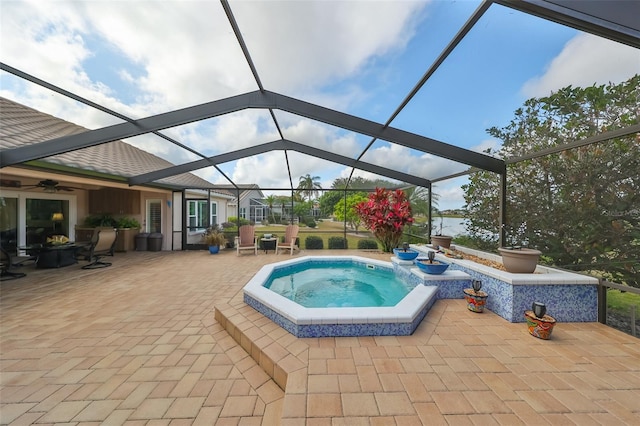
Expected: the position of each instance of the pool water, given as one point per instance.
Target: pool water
(325, 285)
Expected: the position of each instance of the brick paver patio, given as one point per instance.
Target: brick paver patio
(138, 343)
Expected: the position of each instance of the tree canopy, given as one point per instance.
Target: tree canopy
(309, 186)
(580, 207)
(347, 213)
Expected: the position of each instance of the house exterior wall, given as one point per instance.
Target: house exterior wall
(248, 206)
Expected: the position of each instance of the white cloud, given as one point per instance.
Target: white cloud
(322, 136)
(303, 45)
(168, 54)
(492, 144)
(586, 60)
(450, 193)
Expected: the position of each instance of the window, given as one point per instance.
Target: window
(243, 212)
(154, 216)
(197, 214)
(214, 213)
(46, 217)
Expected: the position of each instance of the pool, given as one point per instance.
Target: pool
(399, 319)
(341, 283)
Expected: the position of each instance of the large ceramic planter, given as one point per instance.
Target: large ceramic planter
(476, 300)
(520, 261)
(214, 249)
(125, 239)
(443, 241)
(539, 327)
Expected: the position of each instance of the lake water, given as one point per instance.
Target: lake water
(452, 226)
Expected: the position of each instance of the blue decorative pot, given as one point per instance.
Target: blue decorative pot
(405, 255)
(435, 268)
(214, 249)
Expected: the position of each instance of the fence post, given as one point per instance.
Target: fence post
(602, 302)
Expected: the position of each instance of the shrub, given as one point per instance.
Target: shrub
(100, 220)
(385, 214)
(337, 243)
(128, 222)
(314, 242)
(230, 234)
(310, 222)
(234, 220)
(226, 225)
(367, 244)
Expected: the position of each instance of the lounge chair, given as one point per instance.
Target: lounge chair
(102, 244)
(247, 239)
(5, 267)
(290, 236)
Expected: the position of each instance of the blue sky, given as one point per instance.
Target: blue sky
(361, 57)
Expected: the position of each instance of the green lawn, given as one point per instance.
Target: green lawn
(324, 230)
(621, 302)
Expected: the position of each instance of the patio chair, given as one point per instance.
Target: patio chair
(247, 239)
(5, 267)
(33, 238)
(102, 244)
(290, 236)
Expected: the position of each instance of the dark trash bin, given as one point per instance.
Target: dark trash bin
(155, 241)
(141, 241)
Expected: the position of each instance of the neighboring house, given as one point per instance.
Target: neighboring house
(250, 202)
(54, 195)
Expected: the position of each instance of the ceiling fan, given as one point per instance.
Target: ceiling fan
(51, 186)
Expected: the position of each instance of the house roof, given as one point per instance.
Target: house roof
(245, 189)
(23, 126)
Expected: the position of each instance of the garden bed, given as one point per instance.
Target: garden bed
(486, 262)
(569, 297)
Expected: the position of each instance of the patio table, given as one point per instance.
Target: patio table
(55, 255)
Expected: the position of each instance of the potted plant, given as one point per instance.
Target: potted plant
(439, 239)
(540, 324)
(214, 238)
(517, 258)
(128, 228)
(476, 298)
(385, 214)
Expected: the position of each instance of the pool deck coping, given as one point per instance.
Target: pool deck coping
(404, 311)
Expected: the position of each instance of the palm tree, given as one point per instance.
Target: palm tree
(339, 183)
(271, 200)
(309, 186)
(418, 196)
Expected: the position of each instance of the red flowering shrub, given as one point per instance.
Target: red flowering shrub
(385, 214)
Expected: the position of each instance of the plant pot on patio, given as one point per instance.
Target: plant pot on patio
(476, 299)
(519, 260)
(443, 241)
(539, 327)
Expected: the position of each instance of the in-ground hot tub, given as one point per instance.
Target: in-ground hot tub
(398, 320)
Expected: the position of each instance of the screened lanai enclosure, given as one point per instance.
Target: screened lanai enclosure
(266, 92)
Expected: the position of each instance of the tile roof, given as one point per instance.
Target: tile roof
(21, 125)
(245, 189)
